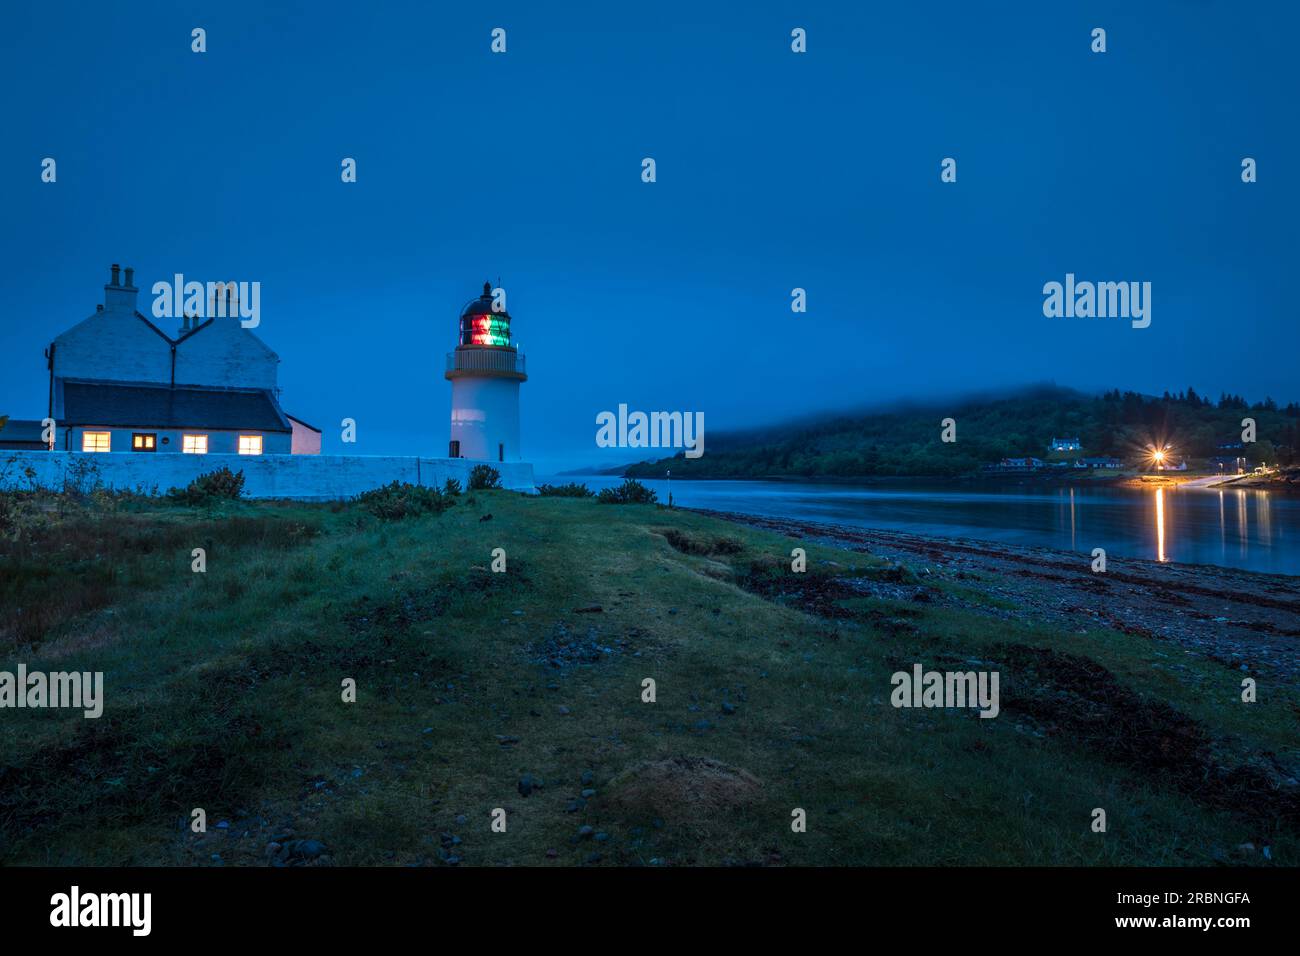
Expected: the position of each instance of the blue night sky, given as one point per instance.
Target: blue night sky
(775, 170)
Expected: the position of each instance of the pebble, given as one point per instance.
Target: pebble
(586, 833)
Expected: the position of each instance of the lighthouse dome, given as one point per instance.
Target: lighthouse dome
(483, 326)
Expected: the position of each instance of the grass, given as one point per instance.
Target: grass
(224, 692)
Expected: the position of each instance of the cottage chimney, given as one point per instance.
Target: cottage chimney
(119, 296)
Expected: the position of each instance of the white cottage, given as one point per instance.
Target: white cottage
(120, 383)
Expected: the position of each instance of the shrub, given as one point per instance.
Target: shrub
(452, 488)
(401, 499)
(220, 485)
(630, 492)
(81, 477)
(571, 490)
(483, 477)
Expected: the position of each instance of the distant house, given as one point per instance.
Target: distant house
(1105, 462)
(1066, 444)
(1230, 445)
(119, 383)
(1018, 464)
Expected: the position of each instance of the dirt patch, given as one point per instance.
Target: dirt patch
(1077, 697)
(563, 648)
(681, 789)
(687, 544)
(820, 594)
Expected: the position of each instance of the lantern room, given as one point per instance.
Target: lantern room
(481, 325)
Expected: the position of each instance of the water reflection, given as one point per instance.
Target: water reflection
(1245, 528)
(1160, 524)
(1169, 507)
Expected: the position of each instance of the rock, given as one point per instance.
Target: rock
(552, 854)
(587, 778)
(602, 837)
(588, 794)
(575, 805)
(461, 820)
(728, 708)
(273, 848)
(528, 783)
(308, 849)
(564, 711)
(486, 517)
(586, 833)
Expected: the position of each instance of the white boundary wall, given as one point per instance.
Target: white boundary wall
(307, 477)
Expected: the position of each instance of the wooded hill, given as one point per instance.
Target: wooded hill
(906, 441)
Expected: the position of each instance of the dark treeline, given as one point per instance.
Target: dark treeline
(907, 442)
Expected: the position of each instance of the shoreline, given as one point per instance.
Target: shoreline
(1144, 481)
(1246, 620)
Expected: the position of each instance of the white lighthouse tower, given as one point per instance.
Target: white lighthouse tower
(485, 372)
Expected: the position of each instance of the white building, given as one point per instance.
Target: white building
(119, 383)
(485, 371)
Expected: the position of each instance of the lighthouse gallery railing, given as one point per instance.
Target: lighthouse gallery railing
(486, 360)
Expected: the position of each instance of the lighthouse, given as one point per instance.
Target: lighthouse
(485, 371)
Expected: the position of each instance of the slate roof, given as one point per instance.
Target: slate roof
(146, 406)
(21, 430)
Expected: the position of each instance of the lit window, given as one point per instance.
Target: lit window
(250, 444)
(96, 441)
(194, 444)
(143, 441)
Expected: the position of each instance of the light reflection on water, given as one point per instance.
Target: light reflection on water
(1252, 529)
